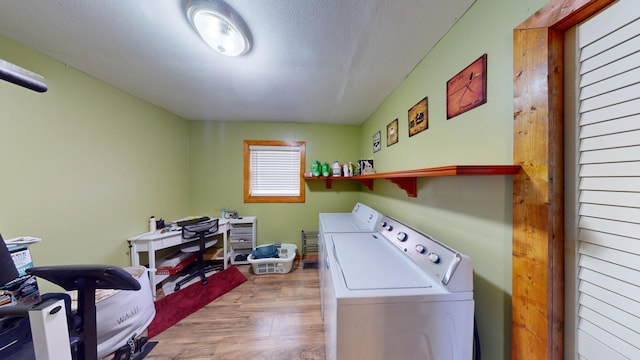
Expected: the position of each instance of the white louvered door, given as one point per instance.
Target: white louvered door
(608, 257)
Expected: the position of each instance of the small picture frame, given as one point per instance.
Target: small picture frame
(419, 117)
(392, 132)
(377, 143)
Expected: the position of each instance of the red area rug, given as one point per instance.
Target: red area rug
(177, 306)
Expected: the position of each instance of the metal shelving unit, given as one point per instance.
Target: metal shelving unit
(309, 248)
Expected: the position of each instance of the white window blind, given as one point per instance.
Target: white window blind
(608, 312)
(274, 170)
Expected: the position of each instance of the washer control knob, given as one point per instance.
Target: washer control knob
(421, 249)
(383, 224)
(434, 258)
(402, 237)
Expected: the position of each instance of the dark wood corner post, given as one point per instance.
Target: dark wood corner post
(537, 330)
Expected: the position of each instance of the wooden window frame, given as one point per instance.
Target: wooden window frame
(248, 198)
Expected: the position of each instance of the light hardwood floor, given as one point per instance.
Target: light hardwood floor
(273, 316)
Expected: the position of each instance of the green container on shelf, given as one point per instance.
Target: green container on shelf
(316, 168)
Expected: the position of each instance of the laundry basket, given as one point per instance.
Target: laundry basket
(280, 265)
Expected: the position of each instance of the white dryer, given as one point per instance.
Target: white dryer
(362, 218)
(396, 293)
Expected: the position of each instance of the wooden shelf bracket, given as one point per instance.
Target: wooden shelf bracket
(407, 184)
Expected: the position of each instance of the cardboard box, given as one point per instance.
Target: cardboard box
(21, 258)
(365, 167)
(213, 254)
(24, 289)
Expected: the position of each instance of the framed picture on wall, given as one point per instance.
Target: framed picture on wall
(377, 141)
(419, 117)
(468, 88)
(392, 132)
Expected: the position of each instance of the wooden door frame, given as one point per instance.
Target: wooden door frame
(537, 325)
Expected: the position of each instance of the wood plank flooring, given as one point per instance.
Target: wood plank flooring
(273, 316)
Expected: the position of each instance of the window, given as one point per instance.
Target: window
(273, 171)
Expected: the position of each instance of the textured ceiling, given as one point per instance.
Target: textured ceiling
(319, 61)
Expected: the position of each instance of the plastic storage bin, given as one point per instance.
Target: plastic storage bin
(281, 265)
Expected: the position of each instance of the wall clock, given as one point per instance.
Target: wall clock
(467, 89)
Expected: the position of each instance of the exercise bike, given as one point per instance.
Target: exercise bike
(58, 333)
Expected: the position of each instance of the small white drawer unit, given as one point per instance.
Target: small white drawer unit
(242, 238)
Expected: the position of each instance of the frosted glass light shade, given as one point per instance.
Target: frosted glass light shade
(219, 26)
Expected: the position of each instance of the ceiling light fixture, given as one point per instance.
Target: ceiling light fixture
(219, 26)
(20, 76)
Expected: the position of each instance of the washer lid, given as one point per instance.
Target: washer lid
(368, 262)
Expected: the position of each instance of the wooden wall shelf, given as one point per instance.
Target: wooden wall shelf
(406, 180)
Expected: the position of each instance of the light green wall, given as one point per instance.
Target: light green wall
(84, 165)
(217, 174)
(472, 214)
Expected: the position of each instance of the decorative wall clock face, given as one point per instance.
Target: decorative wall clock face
(467, 89)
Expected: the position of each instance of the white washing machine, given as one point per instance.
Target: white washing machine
(396, 293)
(362, 218)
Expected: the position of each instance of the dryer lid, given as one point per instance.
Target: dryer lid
(368, 262)
(349, 222)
